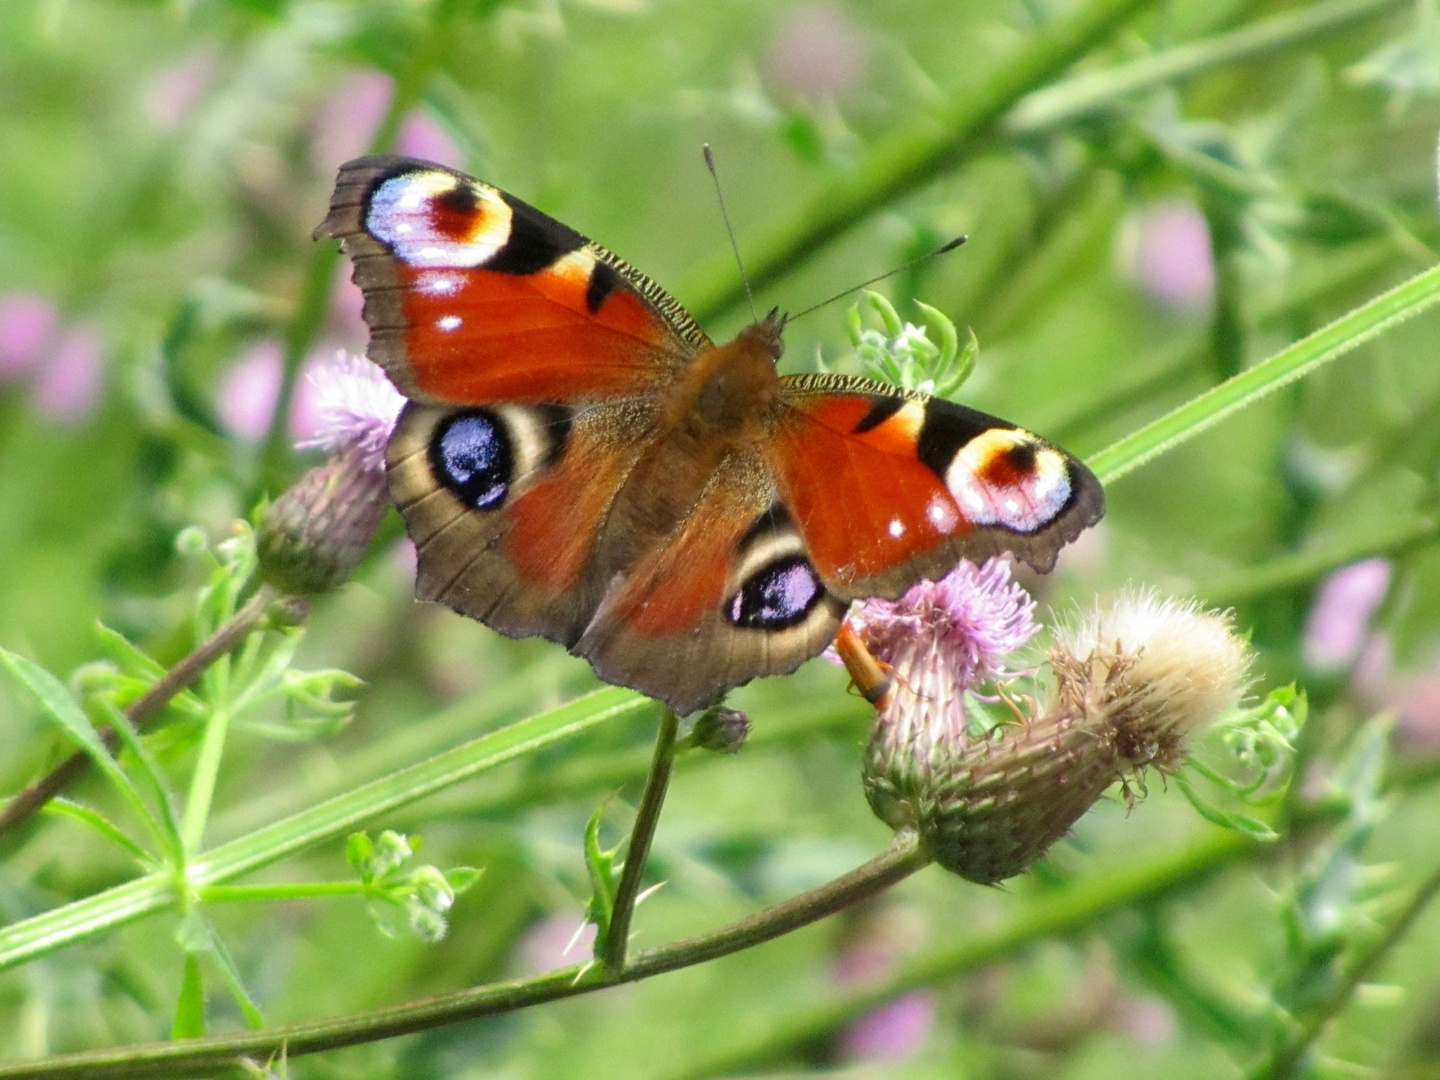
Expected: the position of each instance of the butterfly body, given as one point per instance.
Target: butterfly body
(579, 461)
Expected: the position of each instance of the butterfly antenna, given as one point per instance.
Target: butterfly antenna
(719, 195)
(951, 246)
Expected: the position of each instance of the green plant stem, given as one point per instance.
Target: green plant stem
(1294, 362)
(1085, 94)
(647, 817)
(145, 708)
(1304, 567)
(203, 779)
(300, 890)
(1285, 1061)
(25, 940)
(188, 1057)
(910, 158)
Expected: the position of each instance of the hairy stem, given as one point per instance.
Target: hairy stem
(657, 783)
(190, 1057)
(181, 677)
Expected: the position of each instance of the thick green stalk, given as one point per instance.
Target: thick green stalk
(1290, 571)
(42, 934)
(908, 159)
(1294, 362)
(1084, 94)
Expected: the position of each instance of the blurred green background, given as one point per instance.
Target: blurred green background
(162, 166)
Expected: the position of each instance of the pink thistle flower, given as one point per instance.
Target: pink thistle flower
(421, 136)
(818, 53)
(27, 323)
(174, 91)
(317, 532)
(354, 408)
(1339, 618)
(1166, 251)
(894, 1031)
(348, 118)
(67, 386)
(248, 391)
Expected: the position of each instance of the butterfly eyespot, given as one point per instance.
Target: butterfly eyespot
(778, 595)
(472, 456)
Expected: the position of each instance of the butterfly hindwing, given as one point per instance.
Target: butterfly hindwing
(729, 596)
(474, 296)
(889, 487)
(579, 461)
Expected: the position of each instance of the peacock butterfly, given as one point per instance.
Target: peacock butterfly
(579, 460)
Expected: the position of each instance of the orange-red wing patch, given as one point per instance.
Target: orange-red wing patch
(863, 500)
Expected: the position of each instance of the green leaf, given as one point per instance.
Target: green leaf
(60, 705)
(604, 879)
(190, 1009)
(128, 657)
(154, 777)
(61, 807)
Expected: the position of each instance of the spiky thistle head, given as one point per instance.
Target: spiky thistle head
(1133, 680)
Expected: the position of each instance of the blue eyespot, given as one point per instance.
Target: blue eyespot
(471, 455)
(777, 596)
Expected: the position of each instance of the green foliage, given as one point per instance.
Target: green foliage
(1261, 423)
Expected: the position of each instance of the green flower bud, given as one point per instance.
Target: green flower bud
(315, 534)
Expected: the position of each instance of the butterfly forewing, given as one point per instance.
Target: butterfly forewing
(578, 461)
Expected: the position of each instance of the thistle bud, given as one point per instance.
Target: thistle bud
(1133, 681)
(315, 534)
(720, 728)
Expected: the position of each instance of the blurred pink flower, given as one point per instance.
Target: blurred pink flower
(819, 52)
(347, 119)
(174, 90)
(67, 384)
(27, 323)
(897, 1029)
(248, 392)
(554, 942)
(422, 136)
(347, 321)
(1416, 705)
(892, 1032)
(1168, 254)
(1339, 618)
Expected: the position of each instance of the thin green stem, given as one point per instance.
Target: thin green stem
(647, 817)
(188, 1057)
(910, 158)
(1287, 1058)
(1088, 93)
(1294, 362)
(203, 779)
(300, 890)
(226, 639)
(42, 934)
